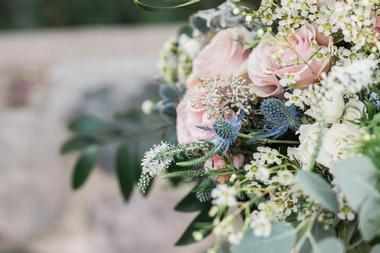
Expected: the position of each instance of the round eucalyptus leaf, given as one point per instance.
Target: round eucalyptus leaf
(329, 245)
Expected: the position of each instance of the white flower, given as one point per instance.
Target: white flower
(190, 46)
(270, 209)
(147, 107)
(308, 137)
(295, 98)
(285, 177)
(262, 174)
(153, 162)
(333, 108)
(267, 155)
(224, 195)
(346, 213)
(338, 143)
(260, 224)
(235, 239)
(354, 110)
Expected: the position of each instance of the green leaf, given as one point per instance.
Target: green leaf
(375, 249)
(83, 166)
(91, 125)
(329, 245)
(318, 189)
(369, 218)
(201, 219)
(189, 203)
(282, 240)
(371, 109)
(77, 143)
(168, 92)
(125, 171)
(356, 176)
(153, 5)
(184, 173)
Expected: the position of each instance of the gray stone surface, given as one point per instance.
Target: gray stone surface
(44, 77)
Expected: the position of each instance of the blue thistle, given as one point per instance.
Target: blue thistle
(226, 132)
(278, 118)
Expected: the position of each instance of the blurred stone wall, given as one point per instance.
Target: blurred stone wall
(44, 78)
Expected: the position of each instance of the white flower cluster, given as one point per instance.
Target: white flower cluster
(226, 96)
(154, 162)
(224, 195)
(339, 142)
(176, 59)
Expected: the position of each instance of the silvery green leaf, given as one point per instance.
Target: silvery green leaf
(375, 249)
(369, 218)
(168, 92)
(282, 240)
(329, 245)
(318, 189)
(356, 176)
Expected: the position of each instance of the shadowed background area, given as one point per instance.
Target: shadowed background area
(65, 58)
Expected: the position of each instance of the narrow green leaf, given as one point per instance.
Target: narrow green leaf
(369, 218)
(282, 239)
(77, 143)
(83, 166)
(189, 203)
(201, 218)
(318, 189)
(91, 125)
(125, 171)
(356, 176)
(171, 4)
(184, 173)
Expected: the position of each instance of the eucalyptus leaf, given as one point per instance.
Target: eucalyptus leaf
(168, 92)
(369, 218)
(125, 171)
(318, 189)
(375, 249)
(282, 239)
(329, 245)
(356, 176)
(84, 166)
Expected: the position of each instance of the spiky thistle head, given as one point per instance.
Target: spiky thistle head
(277, 113)
(225, 133)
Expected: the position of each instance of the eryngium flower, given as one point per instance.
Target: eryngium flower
(226, 132)
(278, 118)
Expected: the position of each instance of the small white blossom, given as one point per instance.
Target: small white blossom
(260, 224)
(224, 195)
(153, 162)
(285, 177)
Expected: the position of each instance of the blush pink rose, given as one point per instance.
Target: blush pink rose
(277, 57)
(189, 117)
(377, 25)
(223, 56)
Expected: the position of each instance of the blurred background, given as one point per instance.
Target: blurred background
(59, 59)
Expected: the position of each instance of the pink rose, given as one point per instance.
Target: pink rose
(189, 117)
(215, 163)
(377, 25)
(276, 58)
(223, 56)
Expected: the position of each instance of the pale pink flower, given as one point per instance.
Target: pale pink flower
(223, 56)
(278, 57)
(190, 116)
(377, 25)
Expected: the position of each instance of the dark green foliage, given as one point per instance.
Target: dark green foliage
(83, 166)
(126, 171)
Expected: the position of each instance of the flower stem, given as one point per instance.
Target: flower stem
(268, 141)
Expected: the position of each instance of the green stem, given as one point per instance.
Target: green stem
(268, 141)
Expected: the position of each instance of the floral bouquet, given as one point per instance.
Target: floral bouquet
(277, 115)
